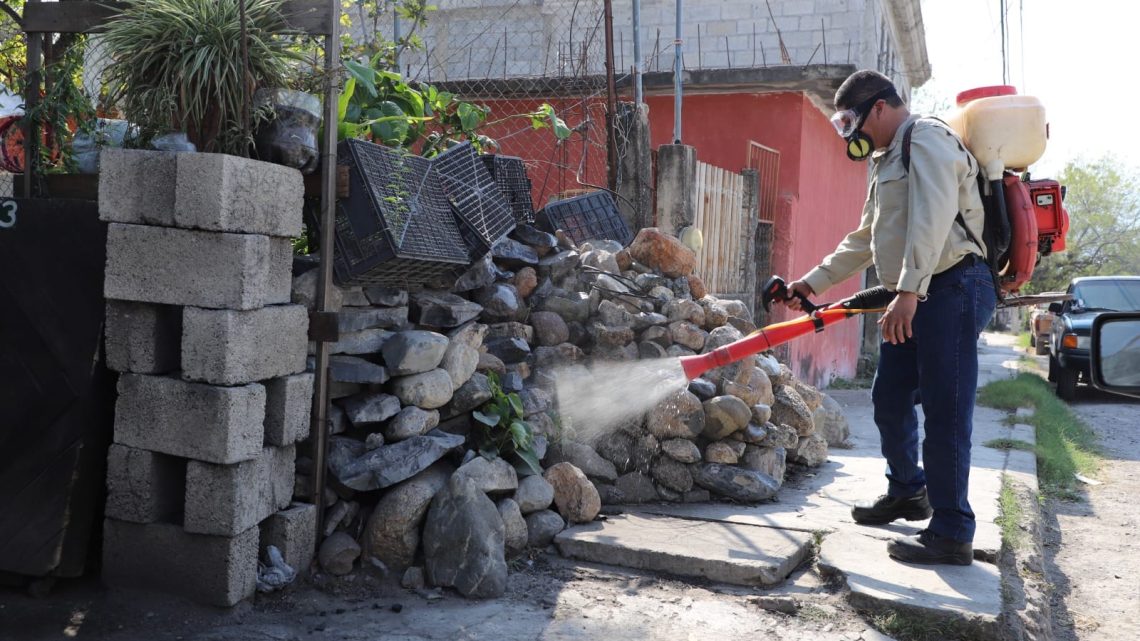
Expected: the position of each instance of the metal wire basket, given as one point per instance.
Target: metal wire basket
(510, 175)
(480, 209)
(590, 216)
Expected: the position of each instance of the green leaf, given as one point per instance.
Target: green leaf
(391, 126)
(490, 420)
(363, 74)
(469, 115)
(520, 434)
(345, 97)
(561, 131)
(528, 456)
(516, 403)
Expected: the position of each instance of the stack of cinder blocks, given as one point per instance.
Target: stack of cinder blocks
(213, 394)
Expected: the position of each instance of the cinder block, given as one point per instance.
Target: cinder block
(144, 486)
(219, 192)
(230, 347)
(191, 420)
(228, 499)
(215, 570)
(204, 269)
(143, 338)
(294, 532)
(288, 409)
(137, 186)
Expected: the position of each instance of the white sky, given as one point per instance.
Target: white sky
(1079, 59)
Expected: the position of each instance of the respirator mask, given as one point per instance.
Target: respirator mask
(848, 123)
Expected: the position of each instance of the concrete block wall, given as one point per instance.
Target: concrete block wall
(212, 392)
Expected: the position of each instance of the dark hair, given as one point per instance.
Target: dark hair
(860, 86)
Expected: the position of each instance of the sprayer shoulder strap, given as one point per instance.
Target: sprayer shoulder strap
(959, 218)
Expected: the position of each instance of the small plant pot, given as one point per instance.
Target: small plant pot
(289, 136)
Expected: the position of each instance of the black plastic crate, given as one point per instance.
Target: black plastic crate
(510, 175)
(483, 214)
(590, 216)
(397, 226)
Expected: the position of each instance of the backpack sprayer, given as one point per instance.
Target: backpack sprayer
(818, 317)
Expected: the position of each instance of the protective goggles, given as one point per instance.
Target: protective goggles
(848, 121)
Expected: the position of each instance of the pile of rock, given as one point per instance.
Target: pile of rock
(409, 493)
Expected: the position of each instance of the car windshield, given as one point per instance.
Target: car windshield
(1115, 295)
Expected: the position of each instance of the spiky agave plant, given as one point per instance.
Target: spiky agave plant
(177, 65)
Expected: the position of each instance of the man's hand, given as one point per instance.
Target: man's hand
(895, 323)
(799, 287)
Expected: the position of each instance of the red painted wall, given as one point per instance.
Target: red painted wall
(821, 195)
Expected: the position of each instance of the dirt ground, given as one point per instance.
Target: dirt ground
(1093, 545)
(548, 598)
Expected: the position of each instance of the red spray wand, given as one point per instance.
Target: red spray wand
(863, 302)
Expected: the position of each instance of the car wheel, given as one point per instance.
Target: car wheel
(1041, 348)
(1032, 339)
(1067, 383)
(1052, 369)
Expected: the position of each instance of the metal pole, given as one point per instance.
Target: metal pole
(33, 62)
(396, 33)
(638, 95)
(611, 99)
(677, 42)
(320, 426)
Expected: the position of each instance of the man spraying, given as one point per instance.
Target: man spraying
(916, 228)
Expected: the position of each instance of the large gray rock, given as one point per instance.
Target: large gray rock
(784, 436)
(637, 487)
(769, 460)
(678, 416)
(535, 401)
(688, 335)
(490, 475)
(761, 413)
(790, 409)
(501, 302)
(392, 533)
(514, 527)
(429, 390)
(645, 448)
(584, 458)
(442, 309)
(672, 474)
(464, 541)
(577, 499)
(549, 328)
(736, 483)
(558, 356)
(617, 448)
(355, 319)
(413, 352)
(812, 397)
(810, 451)
(508, 350)
(723, 452)
(366, 341)
(512, 254)
(352, 369)
(725, 415)
(681, 449)
(541, 528)
(534, 494)
(411, 421)
(831, 424)
(684, 310)
(393, 463)
(608, 338)
(338, 553)
(470, 395)
(482, 273)
(558, 266)
(570, 309)
(370, 408)
(386, 296)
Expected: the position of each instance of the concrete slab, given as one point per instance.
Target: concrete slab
(220, 192)
(726, 552)
(968, 596)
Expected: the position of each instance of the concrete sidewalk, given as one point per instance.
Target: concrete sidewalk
(671, 539)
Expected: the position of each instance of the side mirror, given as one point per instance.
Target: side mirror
(1055, 308)
(1114, 353)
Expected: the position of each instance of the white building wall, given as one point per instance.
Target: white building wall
(491, 39)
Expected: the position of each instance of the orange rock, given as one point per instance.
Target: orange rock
(697, 287)
(576, 497)
(662, 253)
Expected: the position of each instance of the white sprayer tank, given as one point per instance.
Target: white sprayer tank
(1002, 129)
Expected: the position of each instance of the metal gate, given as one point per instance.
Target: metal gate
(766, 162)
(55, 393)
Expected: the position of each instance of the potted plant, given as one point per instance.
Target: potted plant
(177, 65)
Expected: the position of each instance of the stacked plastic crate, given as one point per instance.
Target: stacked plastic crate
(213, 393)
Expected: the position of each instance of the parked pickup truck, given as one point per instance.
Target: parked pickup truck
(1040, 323)
(1072, 323)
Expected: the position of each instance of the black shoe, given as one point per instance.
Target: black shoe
(889, 508)
(929, 548)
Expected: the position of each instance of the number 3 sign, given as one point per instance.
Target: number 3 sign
(7, 214)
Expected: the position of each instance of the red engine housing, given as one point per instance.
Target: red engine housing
(1038, 224)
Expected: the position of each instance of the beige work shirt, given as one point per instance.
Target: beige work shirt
(907, 229)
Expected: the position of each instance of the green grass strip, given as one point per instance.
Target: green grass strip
(1009, 444)
(1023, 340)
(1009, 518)
(1065, 445)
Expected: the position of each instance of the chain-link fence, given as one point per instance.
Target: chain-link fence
(513, 56)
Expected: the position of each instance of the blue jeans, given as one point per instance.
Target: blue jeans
(938, 367)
